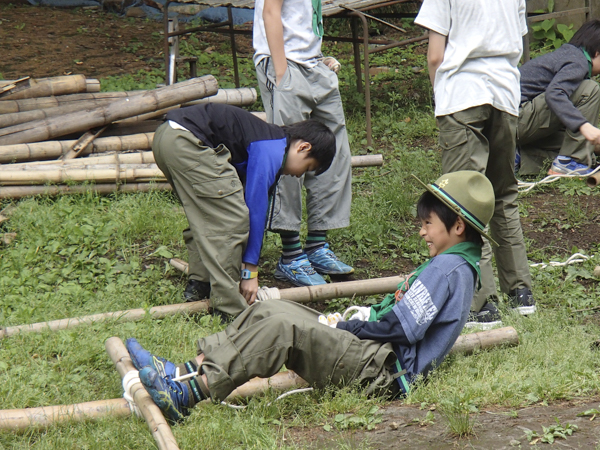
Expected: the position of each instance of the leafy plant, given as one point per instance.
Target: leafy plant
(549, 37)
(457, 411)
(353, 421)
(550, 433)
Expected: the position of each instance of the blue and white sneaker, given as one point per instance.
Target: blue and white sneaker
(324, 261)
(170, 396)
(141, 358)
(299, 272)
(564, 165)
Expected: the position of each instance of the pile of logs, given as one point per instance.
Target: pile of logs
(61, 135)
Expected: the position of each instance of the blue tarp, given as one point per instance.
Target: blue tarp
(218, 14)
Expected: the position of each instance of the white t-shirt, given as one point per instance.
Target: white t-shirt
(484, 46)
(302, 31)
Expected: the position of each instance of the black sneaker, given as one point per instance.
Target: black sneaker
(196, 291)
(522, 301)
(487, 318)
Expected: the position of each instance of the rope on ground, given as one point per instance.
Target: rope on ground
(575, 258)
(129, 380)
(295, 391)
(267, 293)
(525, 186)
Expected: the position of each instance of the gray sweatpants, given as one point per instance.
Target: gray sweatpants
(483, 139)
(274, 333)
(309, 93)
(542, 136)
(213, 200)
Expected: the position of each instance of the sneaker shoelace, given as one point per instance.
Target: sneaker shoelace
(305, 266)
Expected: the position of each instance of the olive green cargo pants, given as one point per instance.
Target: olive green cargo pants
(274, 333)
(483, 139)
(213, 200)
(541, 135)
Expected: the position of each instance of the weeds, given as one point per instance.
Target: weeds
(458, 410)
(549, 434)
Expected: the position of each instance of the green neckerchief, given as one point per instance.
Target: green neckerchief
(471, 253)
(589, 60)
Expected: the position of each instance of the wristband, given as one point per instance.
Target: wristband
(247, 275)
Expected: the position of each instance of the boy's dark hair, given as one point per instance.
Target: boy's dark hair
(319, 136)
(588, 37)
(429, 203)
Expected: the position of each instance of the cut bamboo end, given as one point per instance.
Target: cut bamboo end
(160, 429)
(46, 87)
(593, 180)
(46, 416)
(468, 343)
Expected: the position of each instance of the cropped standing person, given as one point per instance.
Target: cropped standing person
(296, 85)
(474, 49)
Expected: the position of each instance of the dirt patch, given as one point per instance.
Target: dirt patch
(405, 427)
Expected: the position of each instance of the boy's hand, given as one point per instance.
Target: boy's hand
(248, 289)
(590, 132)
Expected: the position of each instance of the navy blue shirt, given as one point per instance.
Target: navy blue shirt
(257, 152)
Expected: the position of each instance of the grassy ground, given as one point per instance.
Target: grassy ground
(87, 254)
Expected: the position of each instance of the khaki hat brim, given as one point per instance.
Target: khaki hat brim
(457, 209)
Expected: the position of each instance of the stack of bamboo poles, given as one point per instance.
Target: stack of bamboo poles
(52, 130)
(50, 126)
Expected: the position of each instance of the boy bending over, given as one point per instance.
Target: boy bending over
(408, 334)
(224, 164)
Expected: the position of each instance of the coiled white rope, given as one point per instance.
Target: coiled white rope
(525, 186)
(575, 258)
(267, 293)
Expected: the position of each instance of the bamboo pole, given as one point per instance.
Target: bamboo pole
(367, 160)
(45, 87)
(593, 180)
(54, 149)
(80, 121)
(45, 416)
(237, 97)
(91, 100)
(468, 343)
(101, 174)
(131, 315)
(92, 85)
(143, 157)
(16, 192)
(160, 429)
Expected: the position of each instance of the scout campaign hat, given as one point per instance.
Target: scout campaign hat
(469, 194)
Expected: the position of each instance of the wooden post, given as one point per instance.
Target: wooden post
(160, 429)
(468, 343)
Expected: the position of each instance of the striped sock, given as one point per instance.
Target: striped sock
(291, 247)
(315, 240)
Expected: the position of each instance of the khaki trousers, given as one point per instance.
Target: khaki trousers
(274, 333)
(213, 200)
(542, 136)
(309, 93)
(483, 139)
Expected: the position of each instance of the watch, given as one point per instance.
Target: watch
(247, 275)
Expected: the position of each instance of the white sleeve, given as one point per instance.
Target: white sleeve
(523, 17)
(435, 15)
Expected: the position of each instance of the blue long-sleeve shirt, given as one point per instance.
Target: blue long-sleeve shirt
(257, 152)
(424, 325)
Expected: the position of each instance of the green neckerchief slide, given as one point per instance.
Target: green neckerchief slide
(471, 253)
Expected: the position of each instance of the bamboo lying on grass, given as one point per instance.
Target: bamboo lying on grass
(101, 174)
(593, 180)
(45, 87)
(160, 429)
(54, 149)
(237, 97)
(40, 130)
(89, 99)
(16, 192)
(43, 417)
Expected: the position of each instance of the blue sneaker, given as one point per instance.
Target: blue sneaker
(299, 272)
(564, 165)
(142, 358)
(324, 261)
(170, 396)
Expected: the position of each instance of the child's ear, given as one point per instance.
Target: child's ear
(460, 226)
(304, 146)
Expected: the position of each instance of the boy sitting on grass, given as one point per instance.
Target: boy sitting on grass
(224, 164)
(414, 330)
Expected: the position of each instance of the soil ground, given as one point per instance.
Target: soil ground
(41, 41)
